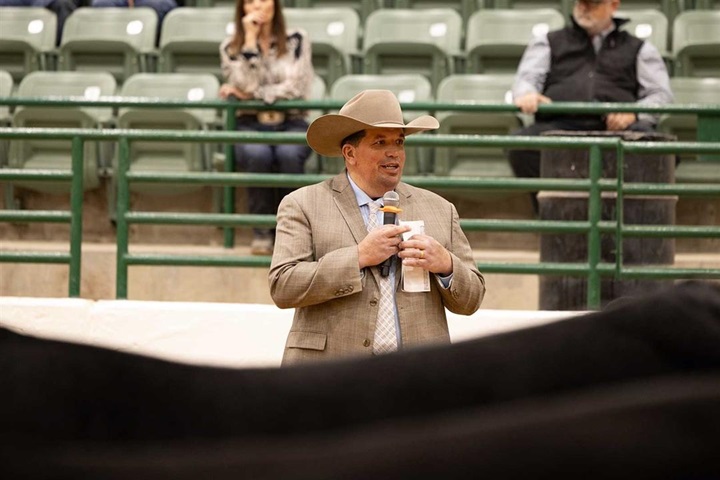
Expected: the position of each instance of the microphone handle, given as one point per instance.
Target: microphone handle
(388, 219)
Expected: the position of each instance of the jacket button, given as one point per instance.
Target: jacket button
(350, 288)
(373, 302)
(366, 343)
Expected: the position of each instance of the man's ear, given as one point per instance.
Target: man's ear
(348, 152)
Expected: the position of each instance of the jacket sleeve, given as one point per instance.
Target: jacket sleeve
(654, 80)
(467, 288)
(534, 67)
(297, 278)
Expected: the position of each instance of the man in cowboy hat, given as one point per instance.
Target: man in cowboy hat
(325, 261)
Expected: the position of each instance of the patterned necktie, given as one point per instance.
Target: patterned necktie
(385, 336)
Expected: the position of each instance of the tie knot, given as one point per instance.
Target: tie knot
(375, 206)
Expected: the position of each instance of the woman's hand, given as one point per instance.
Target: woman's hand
(252, 22)
(227, 90)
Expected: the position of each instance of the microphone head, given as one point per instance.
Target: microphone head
(391, 199)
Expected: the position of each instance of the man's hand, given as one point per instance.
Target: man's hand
(380, 244)
(529, 102)
(425, 252)
(620, 121)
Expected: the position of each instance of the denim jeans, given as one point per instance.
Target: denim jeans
(262, 158)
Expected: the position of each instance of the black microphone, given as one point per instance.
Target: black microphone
(390, 209)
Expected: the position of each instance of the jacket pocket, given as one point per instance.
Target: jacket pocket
(309, 340)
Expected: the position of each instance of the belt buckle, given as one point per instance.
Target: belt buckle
(270, 117)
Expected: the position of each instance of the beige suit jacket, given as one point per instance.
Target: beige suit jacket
(315, 270)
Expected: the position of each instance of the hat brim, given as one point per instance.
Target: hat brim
(326, 132)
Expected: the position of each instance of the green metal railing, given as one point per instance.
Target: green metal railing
(73, 217)
(594, 185)
(593, 269)
(708, 116)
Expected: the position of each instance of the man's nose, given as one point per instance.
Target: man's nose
(393, 151)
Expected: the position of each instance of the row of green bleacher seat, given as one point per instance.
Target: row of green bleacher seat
(181, 157)
(466, 7)
(427, 41)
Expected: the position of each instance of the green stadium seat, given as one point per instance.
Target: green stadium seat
(707, 4)
(6, 87)
(116, 40)
(464, 7)
(221, 3)
(56, 154)
(649, 25)
(696, 43)
(697, 91)
(169, 156)
(496, 39)
(334, 35)
(425, 41)
(362, 7)
(319, 92)
(669, 8)
(190, 39)
(563, 6)
(408, 88)
(475, 161)
(27, 40)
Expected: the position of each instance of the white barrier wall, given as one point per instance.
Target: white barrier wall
(218, 334)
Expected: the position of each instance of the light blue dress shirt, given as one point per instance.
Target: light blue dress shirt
(652, 74)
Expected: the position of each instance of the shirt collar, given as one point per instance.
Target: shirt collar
(608, 30)
(361, 197)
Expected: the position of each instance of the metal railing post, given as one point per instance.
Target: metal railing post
(123, 204)
(76, 209)
(229, 191)
(619, 209)
(594, 208)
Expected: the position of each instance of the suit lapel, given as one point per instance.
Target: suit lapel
(406, 202)
(408, 213)
(347, 205)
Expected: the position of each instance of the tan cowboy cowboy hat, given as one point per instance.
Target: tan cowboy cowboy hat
(367, 109)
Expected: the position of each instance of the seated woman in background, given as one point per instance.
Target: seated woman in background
(265, 61)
